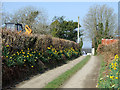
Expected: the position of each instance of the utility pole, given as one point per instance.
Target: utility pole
(78, 29)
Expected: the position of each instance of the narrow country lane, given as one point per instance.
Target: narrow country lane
(86, 77)
(39, 81)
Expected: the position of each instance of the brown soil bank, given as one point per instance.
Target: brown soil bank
(109, 51)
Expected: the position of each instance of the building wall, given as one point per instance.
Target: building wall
(87, 50)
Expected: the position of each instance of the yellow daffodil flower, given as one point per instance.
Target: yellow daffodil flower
(112, 64)
(115, 68)
(116, 77)
(116, 56)
(61, 51)
(111, 77)
(7, 46)
(48, 47)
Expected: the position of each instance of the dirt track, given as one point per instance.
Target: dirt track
(86, 77)
(40, 81)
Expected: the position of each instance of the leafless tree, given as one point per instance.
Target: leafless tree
(100, 14)
(36, 19)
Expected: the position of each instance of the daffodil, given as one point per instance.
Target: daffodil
(115, 64)
(55, 51)
(7, 46)
(112, 64)
(116, 56)
(115, 68)
(48, 47)
(111, 77)
(116, 77)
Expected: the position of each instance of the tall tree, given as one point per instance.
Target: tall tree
(64, 29)
(100, 22)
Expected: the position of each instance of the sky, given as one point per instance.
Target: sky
(71, 10)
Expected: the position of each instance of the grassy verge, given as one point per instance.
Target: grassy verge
(56, 83)
(110, 79)
(102, 69)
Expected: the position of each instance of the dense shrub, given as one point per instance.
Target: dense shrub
(25, 55)
(108, 51)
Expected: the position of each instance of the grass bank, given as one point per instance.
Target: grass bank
(56, 83)
(108, 77)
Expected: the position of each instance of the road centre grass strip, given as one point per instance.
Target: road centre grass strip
(56, 83)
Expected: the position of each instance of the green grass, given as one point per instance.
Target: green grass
(56, 83)
(102, 69)
(110, 79)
